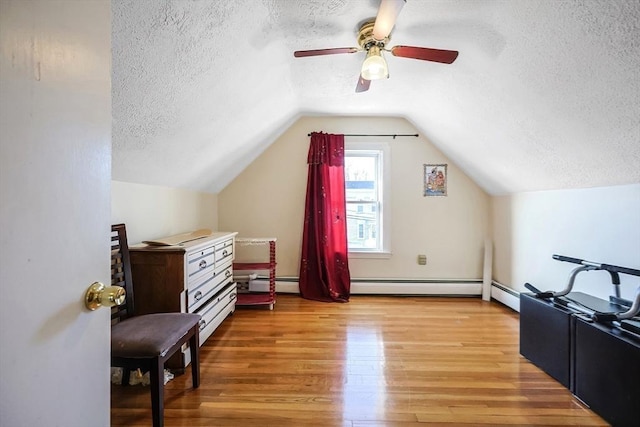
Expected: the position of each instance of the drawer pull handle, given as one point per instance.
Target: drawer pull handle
(202, 324)
(227, 273)
(225, 253)
(198, 296)
(232, 297)
(203, 264)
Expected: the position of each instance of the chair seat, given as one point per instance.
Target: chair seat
(150, 335)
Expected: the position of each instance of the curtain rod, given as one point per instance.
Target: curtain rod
(373, 134)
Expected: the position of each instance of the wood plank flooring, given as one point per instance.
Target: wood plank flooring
(375, 361)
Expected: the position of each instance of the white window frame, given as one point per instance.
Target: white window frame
(384, 166)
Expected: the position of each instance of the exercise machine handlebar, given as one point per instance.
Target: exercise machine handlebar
(607, 267)
(613, 270)
(568, 287)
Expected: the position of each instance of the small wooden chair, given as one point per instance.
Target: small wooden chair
(147, 341)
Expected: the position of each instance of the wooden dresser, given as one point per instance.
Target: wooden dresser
(194, 277)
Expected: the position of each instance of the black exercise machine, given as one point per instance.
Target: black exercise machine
(590, 345)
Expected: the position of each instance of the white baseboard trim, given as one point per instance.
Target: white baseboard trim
(287, 287)
(505, 295)
(417, 288)
(399, 287)
(499, 292)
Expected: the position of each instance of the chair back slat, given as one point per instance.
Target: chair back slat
(121, 272)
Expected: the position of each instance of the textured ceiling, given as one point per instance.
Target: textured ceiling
(544, 95)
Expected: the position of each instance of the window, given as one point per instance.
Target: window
(366, 195)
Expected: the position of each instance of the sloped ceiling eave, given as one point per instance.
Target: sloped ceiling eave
(544, 94)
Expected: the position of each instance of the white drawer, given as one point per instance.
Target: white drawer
(200, 262)
(216, 310)
(206, 287)
(224, 251)
(224, 267)
(199, 292)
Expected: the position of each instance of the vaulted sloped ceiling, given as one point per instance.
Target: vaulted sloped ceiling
(545, 94)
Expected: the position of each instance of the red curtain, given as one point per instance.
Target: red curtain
(324, 267)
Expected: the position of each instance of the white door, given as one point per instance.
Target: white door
(55, 172)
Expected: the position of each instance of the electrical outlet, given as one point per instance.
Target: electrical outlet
(422, 259)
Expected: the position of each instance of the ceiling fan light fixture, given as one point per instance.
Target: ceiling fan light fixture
(374, 66)
(373, 37)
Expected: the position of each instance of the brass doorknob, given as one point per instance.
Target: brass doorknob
(100, 295)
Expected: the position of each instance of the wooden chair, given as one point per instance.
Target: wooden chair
(147, 341)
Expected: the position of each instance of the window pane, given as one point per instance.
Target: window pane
(362, 194)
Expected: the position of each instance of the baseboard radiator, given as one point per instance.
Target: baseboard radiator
(505, 295)
(432, 287)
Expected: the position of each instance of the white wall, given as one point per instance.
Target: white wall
(151, 212)
(596, 224)
(267, 200)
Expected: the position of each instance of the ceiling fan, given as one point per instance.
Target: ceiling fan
(373, 36)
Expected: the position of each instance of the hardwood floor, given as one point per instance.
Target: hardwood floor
(375, 361)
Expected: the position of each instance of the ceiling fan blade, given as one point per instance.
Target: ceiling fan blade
(318, 52)
(363, 85)
(425, 53)
(386, 19)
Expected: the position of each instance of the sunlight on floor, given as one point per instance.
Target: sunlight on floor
(365, 387)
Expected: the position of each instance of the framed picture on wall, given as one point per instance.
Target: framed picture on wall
(435, 180)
